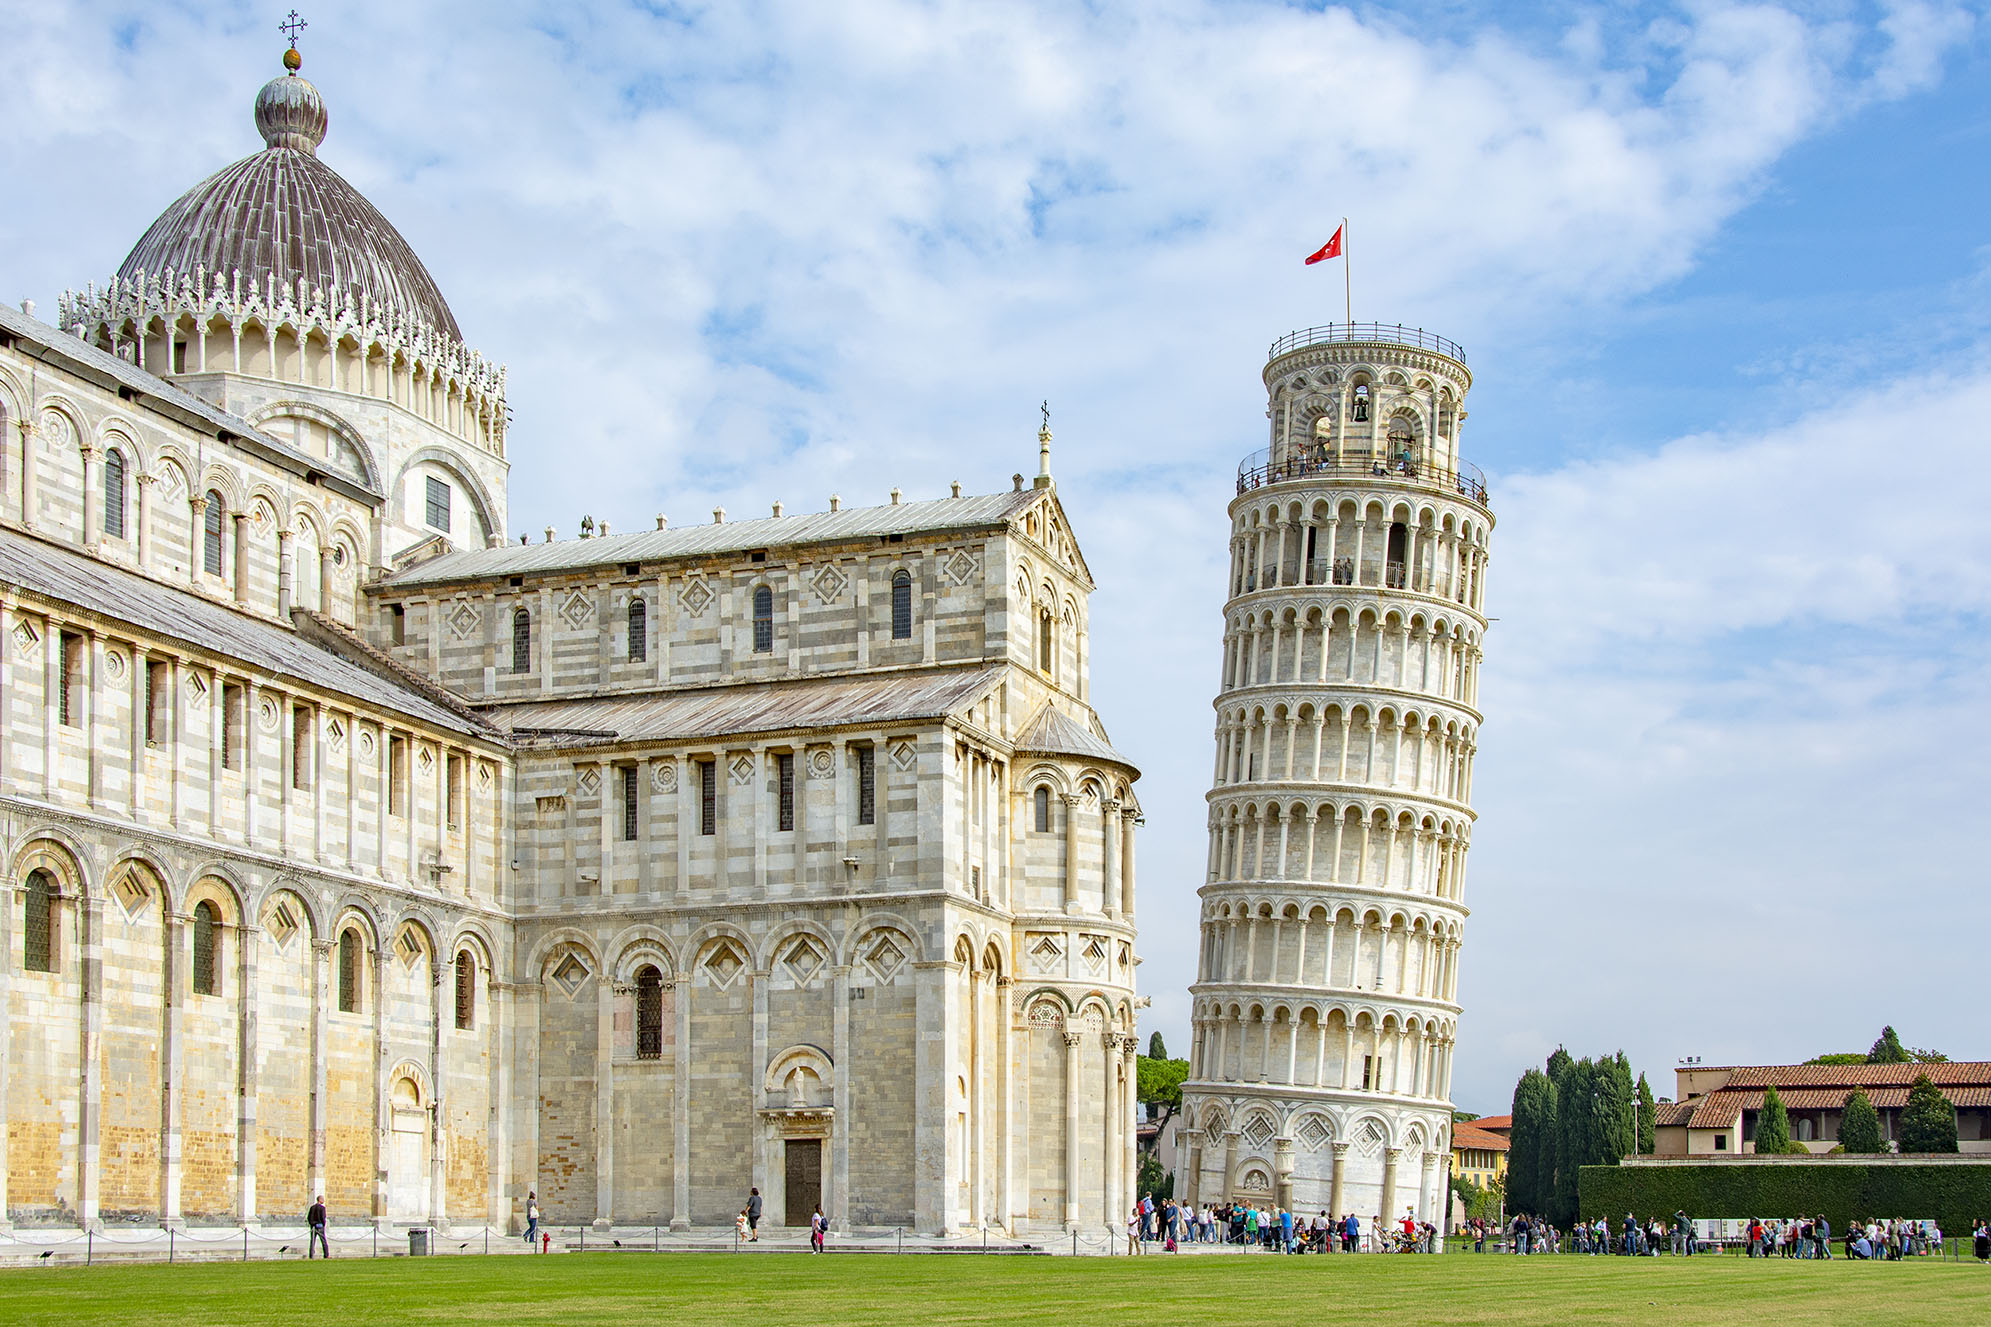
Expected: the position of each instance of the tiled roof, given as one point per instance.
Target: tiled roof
(1668, 1114)
(1723, 1107)
(938, 516)
(60, 574)
(1502, 1124)
(1051, 732)
(1471, 1135)
(761, 707)
(1943, 1074)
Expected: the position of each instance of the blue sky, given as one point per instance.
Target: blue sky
(1720, 271)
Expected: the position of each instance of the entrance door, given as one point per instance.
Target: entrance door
(407, 1154)
(805, 1178)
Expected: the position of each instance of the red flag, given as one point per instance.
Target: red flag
(1331, 249)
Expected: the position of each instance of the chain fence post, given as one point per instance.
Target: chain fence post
(245, 1243)
(169, 1245)
(89, 1246)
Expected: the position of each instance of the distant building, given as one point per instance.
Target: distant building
(1718, 1106)
(1479, 1154)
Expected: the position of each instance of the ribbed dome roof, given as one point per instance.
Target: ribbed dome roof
(283, 215)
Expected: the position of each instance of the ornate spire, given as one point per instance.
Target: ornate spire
(1044, 449)
(289, 111)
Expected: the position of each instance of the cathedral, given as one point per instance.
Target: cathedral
(359, 847)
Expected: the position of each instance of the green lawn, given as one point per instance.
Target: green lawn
(761, 1290)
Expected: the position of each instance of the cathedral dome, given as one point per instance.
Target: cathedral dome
(282, 216)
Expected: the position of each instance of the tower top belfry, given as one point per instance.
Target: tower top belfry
(1325, 1005)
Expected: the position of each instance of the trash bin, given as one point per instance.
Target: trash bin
(418, 1242)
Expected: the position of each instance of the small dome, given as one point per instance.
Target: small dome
(282, 216)
(290, 113)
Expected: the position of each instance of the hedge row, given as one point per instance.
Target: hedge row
(1953, 1196)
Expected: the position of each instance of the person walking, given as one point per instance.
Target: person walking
(819, 1229)
(531, 1216)
(753, 1216)
(1134, 1231)
(314, 1221)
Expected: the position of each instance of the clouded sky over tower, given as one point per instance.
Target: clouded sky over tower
(1719, 271)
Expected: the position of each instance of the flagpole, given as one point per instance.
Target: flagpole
(1347, 278)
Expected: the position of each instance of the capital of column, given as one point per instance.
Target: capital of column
(1340, 1151)
(1072, 1039)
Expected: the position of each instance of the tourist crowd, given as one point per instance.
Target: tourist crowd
(1272, 1229)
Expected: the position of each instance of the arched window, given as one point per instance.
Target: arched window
(38, 924)
(210, 555)
(207, 936)
(902, 605)
(639, 631)
(114, 494)
(1361, 413)
(466, 989)
(349, 956)
(1047, 639)
(521, 641)
(1042, 808)
(649, 1014)
(763, 620)
(1403, 442)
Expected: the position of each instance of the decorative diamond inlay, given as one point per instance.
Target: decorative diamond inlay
(25, 638)
(282, 924)
(132, 895)
(196, 687)
(696, 597)
(960, 568)
(463, 620)
(743, 770)
(578, 609)
(904, 757)
(804, 959)
(335, 735)
(589, 780)
(570, 974)
(1314, 1135)
(428, 760)
(830, 583)
(724, 964)
(1259, 1131)
(885, 958)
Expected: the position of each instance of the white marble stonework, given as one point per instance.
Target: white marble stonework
(352, 849)
(1340, 808)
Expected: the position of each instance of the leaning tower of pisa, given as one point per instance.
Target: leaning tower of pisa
(1340, 805)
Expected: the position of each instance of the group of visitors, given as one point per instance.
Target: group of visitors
(1800, 1237)
(1890, 1241)
(1272, 1229)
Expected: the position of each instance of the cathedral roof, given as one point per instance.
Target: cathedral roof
(54, 572)
(285, 219)
(754, 707)
(932, 517)
(80, 357)
(1051, 732)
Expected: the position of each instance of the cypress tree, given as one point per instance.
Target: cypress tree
(1888, 1049)
(1773, 1125)
(1928, 1122)
(1646, 1122)
(1576, 1120)
(1859, 1127)
(1532, 1141)
(1157, 1049)
(1558, 1065)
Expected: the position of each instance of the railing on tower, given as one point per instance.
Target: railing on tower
(1392, 333)
(1259, 469)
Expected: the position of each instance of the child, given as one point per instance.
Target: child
(740, 1223)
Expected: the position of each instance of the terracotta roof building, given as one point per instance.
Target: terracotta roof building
(1718, 1105)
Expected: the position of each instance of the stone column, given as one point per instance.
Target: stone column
(321, 1006)
(286, 575)
(1071, 852)
(1427, 1192)
(90, 915)
(1006, 1107)
(838, 1207)
(1129, 1144)
(144, 485)
(1109, 818)
(1192, 1175)
(172, 1061)
(605, 993)
(681, 1108)
(1128, 820)
(241, 535)
(1391, 1156)
(1115, 1084)
(1230, 1165)
(1072, 1057)
(1282, 1172)
(759, 1161)
(250, 1058)
(93, 496)
(1336, 1192)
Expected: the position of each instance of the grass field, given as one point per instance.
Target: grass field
(723, 1290)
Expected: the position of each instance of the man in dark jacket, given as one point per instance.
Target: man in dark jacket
(315, 1221)
(753, 1215)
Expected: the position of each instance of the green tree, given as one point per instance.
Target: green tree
(1558, 1065)
(1157, 1049)
(1773, 1125)
(1152, 1180)
(1158, 1086)
(1532, 1143)
(1888, 1049)
(1859, 1127)
(1646, 1140)
(1594, 1117)
(1838, 1057)
(1928, 1121)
